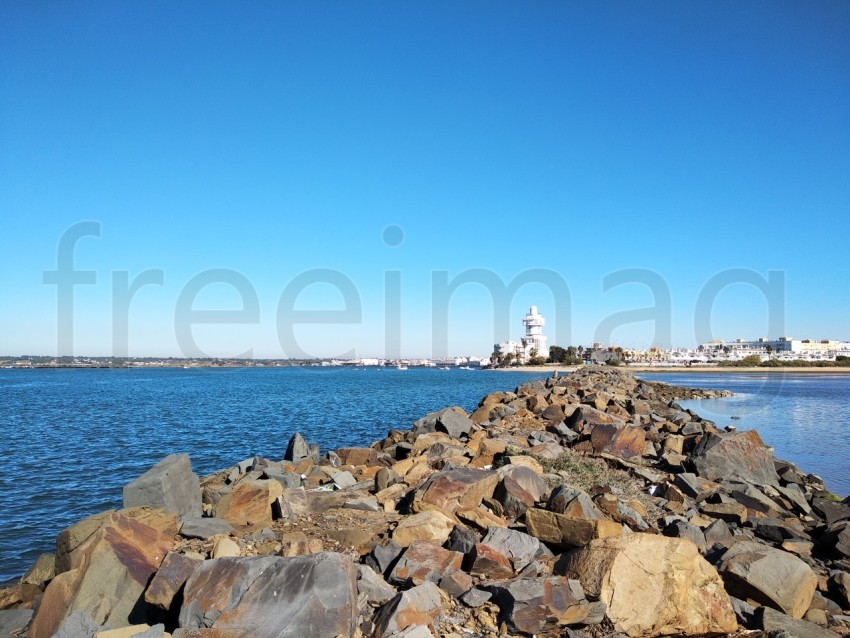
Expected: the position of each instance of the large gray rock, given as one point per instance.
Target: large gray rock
(769, 576)
(205, 528)
(831, 511)
(288, 480)
(521, 549)
(298, 449)
(542, 605)
(739, 454)
(270, 597)
(170, 485)
(373, 586)
(774, 621)
(454, 422)
(13, 620)
(77, 625)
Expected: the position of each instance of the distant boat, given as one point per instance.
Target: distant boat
(401, 367)
(444, 368)
(465, 368)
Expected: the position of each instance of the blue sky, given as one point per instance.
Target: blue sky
(271, 140)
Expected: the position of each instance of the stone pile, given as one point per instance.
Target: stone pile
(586, 506)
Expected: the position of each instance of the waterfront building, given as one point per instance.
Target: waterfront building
(783, 348)
(532, 343)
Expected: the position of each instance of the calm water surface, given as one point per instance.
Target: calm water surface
(71, 439)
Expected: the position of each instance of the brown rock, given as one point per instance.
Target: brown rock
(729, 512)
(429, 525)
(422, 561)
(357, 456)
(479, 518)
(622, 441)
(542, 605)
(487, 562)
(528, 479)
(514, 499)
(526, 461)
(447, 491)
(249, 503)
(652, 585)
(43, 570)
(112, 557)
(173, 573)
(566, 531)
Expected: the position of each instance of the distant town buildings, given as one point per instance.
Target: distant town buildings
(533, 344)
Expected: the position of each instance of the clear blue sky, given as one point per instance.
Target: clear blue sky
(271, 139)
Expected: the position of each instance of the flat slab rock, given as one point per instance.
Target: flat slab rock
(271, 597)
(739, 454)
(769, 576)
(774, 621)
(204, 528)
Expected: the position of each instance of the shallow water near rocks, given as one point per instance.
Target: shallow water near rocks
(804, 417)
(71, 439)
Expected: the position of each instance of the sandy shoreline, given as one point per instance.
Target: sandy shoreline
(549, 368)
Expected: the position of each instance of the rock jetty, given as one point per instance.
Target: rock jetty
(584, 506)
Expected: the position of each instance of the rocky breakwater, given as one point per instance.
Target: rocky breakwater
(586, 506)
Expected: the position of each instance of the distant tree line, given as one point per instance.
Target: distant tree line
(754, 360)
(569, 356)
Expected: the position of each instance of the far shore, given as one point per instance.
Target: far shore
(684, 369)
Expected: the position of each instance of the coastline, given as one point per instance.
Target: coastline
(549, 368)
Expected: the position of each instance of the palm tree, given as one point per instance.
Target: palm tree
(769, 349)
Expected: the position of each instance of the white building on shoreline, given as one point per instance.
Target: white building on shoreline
(533, 343)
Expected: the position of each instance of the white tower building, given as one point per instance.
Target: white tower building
(534, 337)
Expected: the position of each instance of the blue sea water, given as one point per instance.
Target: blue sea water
(71, 439)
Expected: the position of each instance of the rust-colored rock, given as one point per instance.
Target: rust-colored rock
(489, 563)
(172, 574)
(357, 455)
(112, 557)
(249, 503)
(447, 491)
(283, 597)
(623, 441)
(422, 561)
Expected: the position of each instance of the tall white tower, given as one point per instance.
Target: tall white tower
(534, 337)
